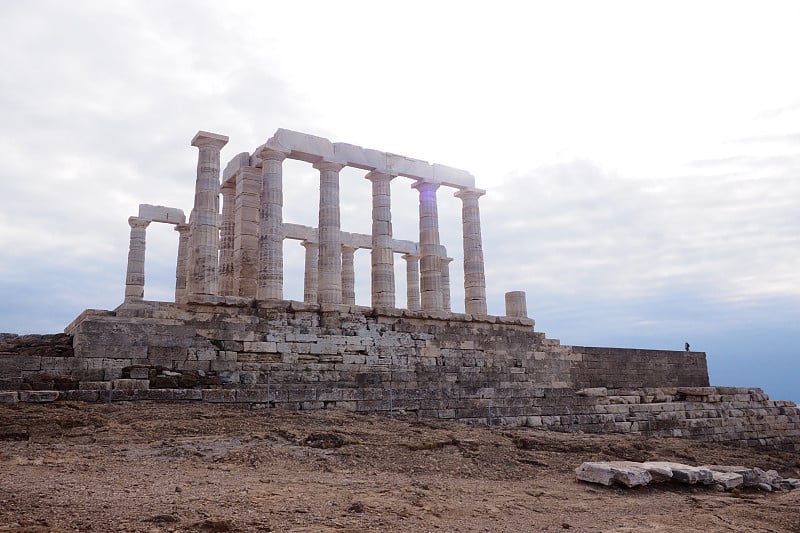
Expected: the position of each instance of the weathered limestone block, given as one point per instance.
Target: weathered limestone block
(130, 384)
(626, 473)
(728, 480)
(39, 396)
(683, 473)
(8, 397)
(159, 213)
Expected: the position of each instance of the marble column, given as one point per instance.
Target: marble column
(180, 267)
(474, 277)
(310, 278)
(330, 238)
(430, 272)
(245, 238)
(412, 281)
(205, 224)
(348, 275)
(270, 249)
(444, 265)
(134, 278)
(226, 233)
(382, 252)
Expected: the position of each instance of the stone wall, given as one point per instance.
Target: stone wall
(631, 368)
(478, 369)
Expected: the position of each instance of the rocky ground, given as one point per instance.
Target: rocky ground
(200, 467)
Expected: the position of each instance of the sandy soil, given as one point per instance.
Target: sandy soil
(201, 467)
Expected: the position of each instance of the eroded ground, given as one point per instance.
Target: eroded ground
(200, 467)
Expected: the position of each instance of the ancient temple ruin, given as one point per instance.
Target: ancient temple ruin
(241, 254)
(230, 336)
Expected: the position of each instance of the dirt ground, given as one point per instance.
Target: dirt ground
(202, 467)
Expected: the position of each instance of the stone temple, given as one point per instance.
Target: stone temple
(230, 336)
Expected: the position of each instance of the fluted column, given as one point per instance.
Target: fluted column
(430, 272)
(226, 234)
(330, 239)
(245, 239)
(310, 278)
(270, 249)
(412, 281)
(134, 278)
(444, 265)
(474, 277)
(180, 267)
(205, 224)
(382, 252)
(348, 275)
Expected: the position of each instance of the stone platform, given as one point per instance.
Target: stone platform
(474, 368)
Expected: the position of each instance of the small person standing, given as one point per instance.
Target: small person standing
(686, 346)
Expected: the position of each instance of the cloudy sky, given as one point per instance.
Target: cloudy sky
(642, 159)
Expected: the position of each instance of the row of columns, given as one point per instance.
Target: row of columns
(134, 277)
(243, 255)
(311, 276)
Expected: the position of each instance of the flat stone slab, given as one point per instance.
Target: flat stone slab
(626, 473)
(683, 473)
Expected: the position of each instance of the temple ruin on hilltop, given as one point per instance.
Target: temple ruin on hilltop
(230, 337)
(241, 255)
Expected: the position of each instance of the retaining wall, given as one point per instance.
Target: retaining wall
(478, 369)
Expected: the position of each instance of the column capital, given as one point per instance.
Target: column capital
(346, 248)
(205, 138)
(469, 194)
(136, 222)
(446, 260)
(329, 165)
(410, 257)
(181, 228)
(270, 154)
(378, 175)
(307, 243)
(425, 186)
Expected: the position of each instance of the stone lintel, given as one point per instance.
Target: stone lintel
(359, 157)
(452, 177)
(160, 213)
(299, 232)
(203, 138)
(302, 146)
(401, 165)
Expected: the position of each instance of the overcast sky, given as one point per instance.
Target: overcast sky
(641, 159)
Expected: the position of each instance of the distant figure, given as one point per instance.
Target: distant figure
(686, 345)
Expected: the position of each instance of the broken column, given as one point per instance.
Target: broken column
(516, 305)
(205, 223)
(330, 239)
(430, 271)
(474, 277)
(382, 252)
(226, 235)
(348, 276)
(310, 278)
(134, 278)
(180, 267)
(270, 250)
